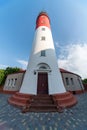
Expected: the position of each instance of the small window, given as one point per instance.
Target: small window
(67, 81)
(11, 82)
(15, 80)
(43, 53)
(72, 81)
(80, 83)
(42, 38)
(43, 67)
(8, 82)
(43, 29)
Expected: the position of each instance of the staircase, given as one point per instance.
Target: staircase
(42, 103)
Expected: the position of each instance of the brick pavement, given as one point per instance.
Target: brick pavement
(74, 118)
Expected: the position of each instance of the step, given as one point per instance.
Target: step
(42, 98)
(23, 95)
(42, 101)
(43, 105)
(42, 110)
(18, 104)
(20, 98)
(67, 101)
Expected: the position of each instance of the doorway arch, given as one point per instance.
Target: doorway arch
(42, 78)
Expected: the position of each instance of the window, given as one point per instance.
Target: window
(43, 67)
(43, 29)
(80, 83)
(72, 82)
(8, 82)
(43, 53)
(14, 83)
(42, 38)
(11, 82)
(67, 81)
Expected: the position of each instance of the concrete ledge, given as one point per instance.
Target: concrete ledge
(8, 92)
(77, 91)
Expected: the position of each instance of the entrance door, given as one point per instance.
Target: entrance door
(42, 83)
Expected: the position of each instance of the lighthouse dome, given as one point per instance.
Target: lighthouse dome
(43, 20)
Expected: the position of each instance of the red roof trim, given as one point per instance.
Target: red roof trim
(65, 71)
(61, 70)
(21, 71)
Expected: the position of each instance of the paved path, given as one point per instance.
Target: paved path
(74, 118)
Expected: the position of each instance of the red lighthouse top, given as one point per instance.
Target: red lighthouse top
(43, 20)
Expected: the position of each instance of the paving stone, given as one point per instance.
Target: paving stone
(74, 118)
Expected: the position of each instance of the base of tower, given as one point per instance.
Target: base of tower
(42, 102)
(64, 100)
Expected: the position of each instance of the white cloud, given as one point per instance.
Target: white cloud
(73, 57)
(23, 63)
(3, 66)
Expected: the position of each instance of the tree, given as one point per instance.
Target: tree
(84, 81)
(2, 76)
(10, 70)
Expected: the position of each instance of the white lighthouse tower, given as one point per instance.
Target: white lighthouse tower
(42, 81)
(42, 75)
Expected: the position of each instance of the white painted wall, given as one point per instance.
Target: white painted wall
(29, 84)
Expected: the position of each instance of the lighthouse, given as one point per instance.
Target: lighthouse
(42, 74)
(42, 88)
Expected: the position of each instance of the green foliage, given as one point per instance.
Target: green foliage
(4, 73)
(10, 70)
(2, 76)
(84, 81)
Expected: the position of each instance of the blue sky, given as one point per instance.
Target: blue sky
(68, 24)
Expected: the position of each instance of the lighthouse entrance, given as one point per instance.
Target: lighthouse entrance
(42, 83)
